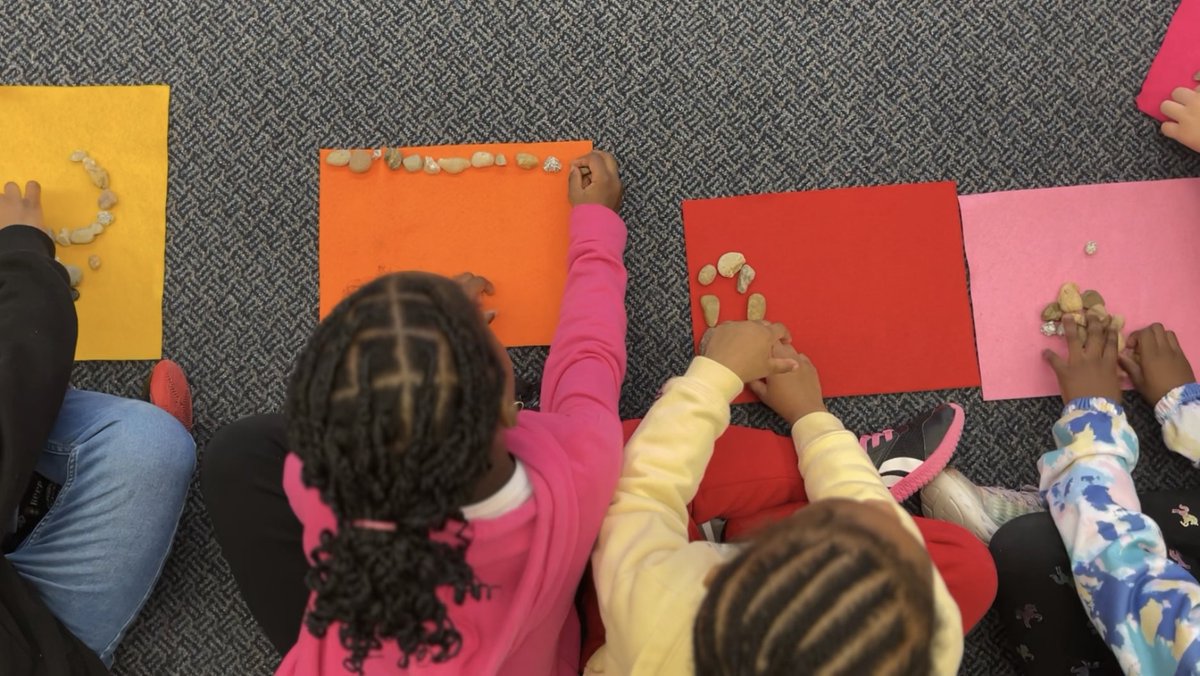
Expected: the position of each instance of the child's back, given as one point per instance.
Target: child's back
(506, 581)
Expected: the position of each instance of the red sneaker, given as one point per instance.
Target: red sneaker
(168, 390)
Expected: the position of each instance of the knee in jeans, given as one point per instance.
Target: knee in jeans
(154, 442)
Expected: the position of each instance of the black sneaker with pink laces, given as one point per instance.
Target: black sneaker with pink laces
(911, 454)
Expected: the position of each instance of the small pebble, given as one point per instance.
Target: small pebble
(501, 160)
(552, 165)
(94, 262)
(1049, 328)
(482, 159)
(526, 161)
(1090, 248)
(360, 161)
(394, 158)
(104, 218)
(711, 307)
(706, 275)
(377, 153)
(89, 163)
(1196, 77)
(338, 158)
(63, 237)
(74, 273)
(730, 263)
(431, 166)
(74, 294)
(96, 228)
(107, 200)
(99, 176)
(83, 235)
(78, 156)
(744, 277)
(413, 163)
(756, 307)
(454, 165)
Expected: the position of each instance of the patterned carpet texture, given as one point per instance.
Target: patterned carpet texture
(697, 98)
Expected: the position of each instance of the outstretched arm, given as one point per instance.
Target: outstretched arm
(586, 366)
(1146, 607)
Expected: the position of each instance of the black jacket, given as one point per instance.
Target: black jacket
(37, 346)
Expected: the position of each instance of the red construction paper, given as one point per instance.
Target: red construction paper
(505, 223)
(1177, 60)
(870, 281)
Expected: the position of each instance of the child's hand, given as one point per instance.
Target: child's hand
(17, 210)
(1183, 109)
(792, 395)
(476, 288)
(594, 180)
(1090, 369)
(1156, 364)
(746, 349)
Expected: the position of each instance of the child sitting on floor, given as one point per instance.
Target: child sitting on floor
(447, 534)
(843, 586)
(1127, 558)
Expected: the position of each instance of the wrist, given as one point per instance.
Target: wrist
(794, 415)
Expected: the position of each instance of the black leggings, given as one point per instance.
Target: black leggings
(1045, 621)
(242, 482)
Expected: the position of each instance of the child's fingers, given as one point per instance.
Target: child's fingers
(1095, 339)
(1074, 343)
(1172, 109)
(1171, 130)
(575, 179)
(1185, 95)
(33, 194)
(1110, 343)
(1173, 341)
(1056, 362)
(758, 387)
(1134, 369)
(1131, 341)
(12, 190)
(780, 333)
(779, 366)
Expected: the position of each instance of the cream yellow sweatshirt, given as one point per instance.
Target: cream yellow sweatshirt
(650, 579)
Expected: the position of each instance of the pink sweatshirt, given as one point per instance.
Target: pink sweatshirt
(533, 556)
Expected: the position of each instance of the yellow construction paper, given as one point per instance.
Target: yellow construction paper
(125, 130)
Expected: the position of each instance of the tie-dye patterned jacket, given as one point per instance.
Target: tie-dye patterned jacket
(1146, 606)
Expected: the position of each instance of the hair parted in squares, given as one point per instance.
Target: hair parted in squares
(829, 598)
(393, 408)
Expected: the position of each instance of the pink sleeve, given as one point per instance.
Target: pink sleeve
(586, 365)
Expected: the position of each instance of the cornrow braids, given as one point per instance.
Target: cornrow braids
(393, 408)
(831, 597)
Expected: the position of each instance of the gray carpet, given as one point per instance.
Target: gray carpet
(697, 98)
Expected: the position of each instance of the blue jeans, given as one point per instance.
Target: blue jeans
(124, 467)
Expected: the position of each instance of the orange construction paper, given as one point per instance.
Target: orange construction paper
(870, 281)
(125, 130)
(505, 223)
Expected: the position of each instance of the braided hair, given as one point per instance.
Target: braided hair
(393, 408)
(831, 597)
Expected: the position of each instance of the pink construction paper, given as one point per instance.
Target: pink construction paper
(1177, 61)
(1023, 245)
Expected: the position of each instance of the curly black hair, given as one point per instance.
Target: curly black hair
(827, 598)
(393, 408)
